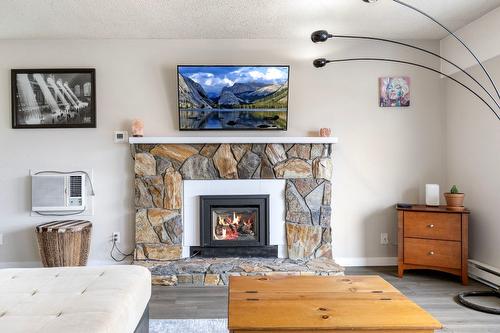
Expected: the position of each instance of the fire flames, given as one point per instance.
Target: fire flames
(232, 227)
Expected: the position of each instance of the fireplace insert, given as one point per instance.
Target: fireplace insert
(234, 225)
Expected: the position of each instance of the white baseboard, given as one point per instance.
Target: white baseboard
(367, 261)
(34, 264)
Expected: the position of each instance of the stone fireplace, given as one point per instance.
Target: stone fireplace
(232, 229)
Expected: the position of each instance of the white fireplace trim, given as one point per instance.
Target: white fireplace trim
(275, 188)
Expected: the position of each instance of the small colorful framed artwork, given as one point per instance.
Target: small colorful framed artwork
(394, 91)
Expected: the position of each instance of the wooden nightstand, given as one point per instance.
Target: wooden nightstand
(433, 238)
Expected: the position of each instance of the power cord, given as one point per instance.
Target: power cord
(125, 255)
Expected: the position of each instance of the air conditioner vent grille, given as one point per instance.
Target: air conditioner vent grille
(75, 186)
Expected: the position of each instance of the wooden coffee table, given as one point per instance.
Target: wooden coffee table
(296, 304)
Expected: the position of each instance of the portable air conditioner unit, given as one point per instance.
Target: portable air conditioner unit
(55, 192)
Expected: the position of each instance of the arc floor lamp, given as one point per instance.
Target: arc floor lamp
(323, 36)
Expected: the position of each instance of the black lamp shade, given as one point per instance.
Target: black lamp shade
(321, 62)
(320, 36)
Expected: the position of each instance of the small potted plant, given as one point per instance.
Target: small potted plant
(454, 199)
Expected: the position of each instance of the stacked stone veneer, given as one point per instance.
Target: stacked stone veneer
(216, 271)
(160, 170)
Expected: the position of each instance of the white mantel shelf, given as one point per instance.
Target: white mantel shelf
(229, 139)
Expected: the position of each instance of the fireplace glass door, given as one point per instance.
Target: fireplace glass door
(234, 220)
(235, 224)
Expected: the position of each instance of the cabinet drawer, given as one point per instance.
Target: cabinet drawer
(433, 225)
(432, 252)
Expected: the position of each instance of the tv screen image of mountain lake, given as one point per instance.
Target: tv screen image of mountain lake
(233, 97)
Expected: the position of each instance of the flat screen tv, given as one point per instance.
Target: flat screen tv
(232, 97)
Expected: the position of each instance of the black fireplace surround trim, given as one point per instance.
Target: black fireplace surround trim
(268, 251)
(213, 248)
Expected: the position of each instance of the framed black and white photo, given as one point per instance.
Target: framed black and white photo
(53, 98)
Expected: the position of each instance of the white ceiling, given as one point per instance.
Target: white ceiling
(238, 19)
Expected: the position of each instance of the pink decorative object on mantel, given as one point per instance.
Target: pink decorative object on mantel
(325, 132)
(137, 127)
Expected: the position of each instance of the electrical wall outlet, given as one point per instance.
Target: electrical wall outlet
(384, 238)
(116, 237)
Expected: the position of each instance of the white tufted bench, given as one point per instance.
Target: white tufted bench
(96, 299)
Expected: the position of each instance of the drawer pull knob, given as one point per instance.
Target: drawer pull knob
(431, 226)
(431, 253)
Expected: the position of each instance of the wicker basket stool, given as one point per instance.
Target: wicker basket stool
(64, 243)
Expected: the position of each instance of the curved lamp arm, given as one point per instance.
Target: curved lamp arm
(321, 62)
(451, 33)
(323, 35)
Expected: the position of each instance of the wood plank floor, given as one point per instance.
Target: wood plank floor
(433, 291)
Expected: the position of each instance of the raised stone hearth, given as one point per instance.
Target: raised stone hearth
(216, 271)
(159, 173)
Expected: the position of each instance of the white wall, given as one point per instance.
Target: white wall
(481, 36)
(384, 155)
(473, 163)
(473, 136)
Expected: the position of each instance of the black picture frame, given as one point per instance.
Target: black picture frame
(90, 101)
(284, 129)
